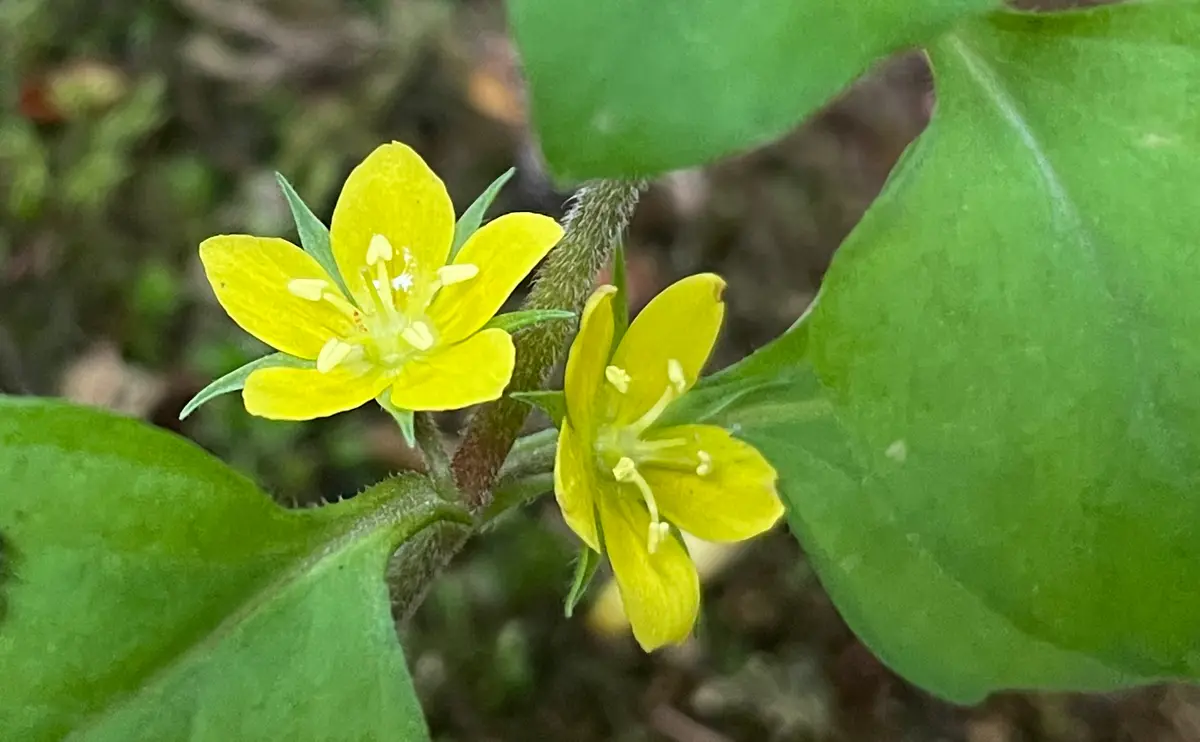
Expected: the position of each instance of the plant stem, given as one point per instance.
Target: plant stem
(437, 461)
(595, 223)
(593, 227)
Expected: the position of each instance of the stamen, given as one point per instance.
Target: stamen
(332, 354)
(379, 250)
(704, 468)
(626, 471)
(383, 284)
(307, 288)
(418, 336)
(675, 374)
(314, 289)
(652, 414)
(619, 378)
(339, 302)
(377, 300)
(448, 275)
(646, 448)
(677, 385)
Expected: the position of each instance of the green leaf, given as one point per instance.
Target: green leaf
(404, 418)
(470, 220)
(314, 236)
(585, 570)
(515, 321)
(1003, 492)
(629, 87)
(235, 380)
(551, 402)
(920, 620)
(158, 595)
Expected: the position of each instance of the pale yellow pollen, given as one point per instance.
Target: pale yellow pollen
(418, 335)
(312, 289)
(704, 468)
(619, 378)
(448, 275)
(675, 374)
(332, 354)
(658, 533)
(379, 250)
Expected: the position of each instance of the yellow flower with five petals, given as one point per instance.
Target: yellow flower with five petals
(412, 323)
(622, 478)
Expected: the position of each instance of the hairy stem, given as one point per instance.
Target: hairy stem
(594, 224)
(437, 461)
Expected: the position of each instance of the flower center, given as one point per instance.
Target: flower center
(388, 333)
(622, 450)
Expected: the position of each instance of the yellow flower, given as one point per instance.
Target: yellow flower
(619, 474)
(411, 323)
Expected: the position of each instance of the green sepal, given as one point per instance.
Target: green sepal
(470, 220)
(235, 380)
(551, 402)
(585, 570)
(314, 236)
(516, 321)
(404, 419)
(620, 302)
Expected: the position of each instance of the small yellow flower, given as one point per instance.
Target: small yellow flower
(619, 474)
(411, 322)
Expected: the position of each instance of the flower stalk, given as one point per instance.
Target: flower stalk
(594, 224)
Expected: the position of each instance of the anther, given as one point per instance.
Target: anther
(676, 376)
(625, 470)
(418, 336)
(704, 468)
(658, 532)
(333, 353)
(448, 275)
(618, 377)
(379, 250)
(312, 289)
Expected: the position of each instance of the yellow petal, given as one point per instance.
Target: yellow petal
(607, 614)
(504, 251)
(587, 360)
(576, 486)
(735, 500)
(304, 394)
(681, 324)
(250, 276)
(452, 377)
(392, 193)
(660, 591)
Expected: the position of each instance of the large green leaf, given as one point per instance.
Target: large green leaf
(157, 595)
(920, 620)
(1004, 489)
(630, 87)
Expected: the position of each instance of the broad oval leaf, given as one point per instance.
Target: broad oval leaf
(630, 87)
(1004, 490)
(154, 594)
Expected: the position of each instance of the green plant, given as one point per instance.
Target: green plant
(985, 428)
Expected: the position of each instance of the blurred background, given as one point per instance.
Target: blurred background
(130, 131)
